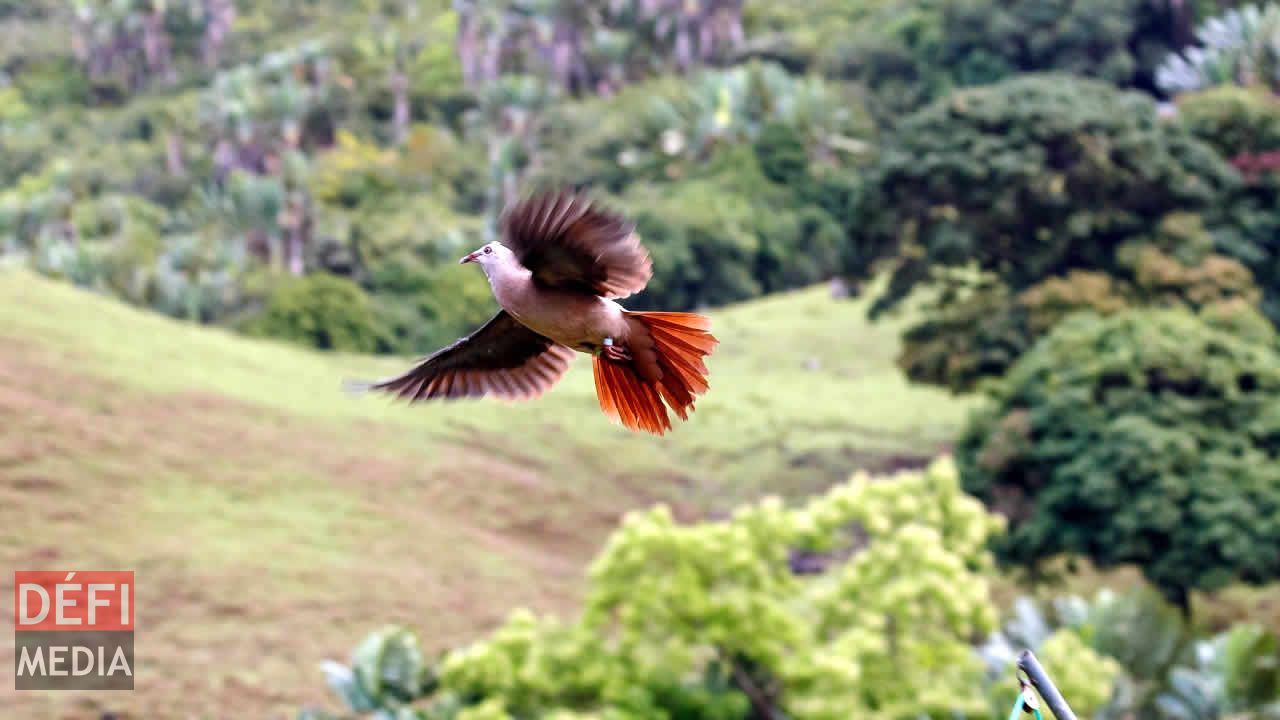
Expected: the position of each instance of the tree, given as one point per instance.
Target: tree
(1119, 41)
(581, 46)
(1241, 46)
(1003, 188)
(1234, 120)
(860, 602)
(1235, 674)
(1149, 437)
(972, 334)
(1243, 124)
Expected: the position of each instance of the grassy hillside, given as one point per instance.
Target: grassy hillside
(272, 520)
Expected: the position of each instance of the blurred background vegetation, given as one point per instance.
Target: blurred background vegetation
(1049, 234)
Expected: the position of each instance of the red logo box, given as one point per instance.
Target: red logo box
(73, 600)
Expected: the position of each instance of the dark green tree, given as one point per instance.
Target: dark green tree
(1243, 124)
(1012, 185)
(1120, 41)
(1150, 437)
(1232, 119)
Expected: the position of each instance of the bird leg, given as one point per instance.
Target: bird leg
(616, 353)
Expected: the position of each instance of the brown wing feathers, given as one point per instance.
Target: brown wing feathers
(570, 244)
(503, 358)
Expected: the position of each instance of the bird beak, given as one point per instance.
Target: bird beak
(469, 258)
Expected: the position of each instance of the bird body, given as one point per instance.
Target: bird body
(573, 319)
(557, 273)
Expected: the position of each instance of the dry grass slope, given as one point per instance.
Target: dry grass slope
(273, 520)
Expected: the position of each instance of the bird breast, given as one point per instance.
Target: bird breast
(580, 321)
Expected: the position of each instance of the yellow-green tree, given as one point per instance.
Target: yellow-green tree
(862, 602)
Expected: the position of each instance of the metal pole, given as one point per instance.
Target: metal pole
(1039, 679)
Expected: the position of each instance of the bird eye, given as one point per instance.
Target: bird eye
(488, 250)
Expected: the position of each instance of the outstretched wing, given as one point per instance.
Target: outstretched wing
(502, 358)
(572, 245)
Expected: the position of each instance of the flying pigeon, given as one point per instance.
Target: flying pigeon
(561, 265)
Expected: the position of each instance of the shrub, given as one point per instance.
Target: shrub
(426, 308)
(1148, 437)
(321, 311)
(730, 234)
(718, 621)
(1233, 120)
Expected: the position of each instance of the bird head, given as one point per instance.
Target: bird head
(488, 255)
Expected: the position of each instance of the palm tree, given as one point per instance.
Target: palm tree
(219, 16)
(1241, 46)
(633, 38)
(125, 38)
(389, 47)
(1234, 675)
(157, 46)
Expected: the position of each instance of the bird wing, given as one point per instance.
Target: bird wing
(502, 358)
(570, 244)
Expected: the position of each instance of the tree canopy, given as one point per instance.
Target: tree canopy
(1148, 437)
(1014, 201)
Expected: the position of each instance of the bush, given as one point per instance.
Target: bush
(1149, 437)
(321, 311)
(426, 308)
(730, 234)
(1232, 119)
(721, 620)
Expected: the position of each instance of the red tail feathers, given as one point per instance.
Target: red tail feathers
(634, 393)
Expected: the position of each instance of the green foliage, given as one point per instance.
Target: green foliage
(1232, 119)
(1137, 627)
(1117, 41)
(665, 128)
(1236, 674)
(321, 311)
(782, 154)
(387, 667)
(1139, 644)
(720, 620)
(1031, 178)
(1079, 672)
(1148, 437)
(424, 309)
(976, 333)
(739, 179)
(1240, 46)
(1020, 202)
(731, 234)
(1244, 124)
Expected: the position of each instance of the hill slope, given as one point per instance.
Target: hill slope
(272, 520)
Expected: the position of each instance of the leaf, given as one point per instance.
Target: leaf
(389, 665)
(343, 681)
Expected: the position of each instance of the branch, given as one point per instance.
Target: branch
(1028, 664)
(758, 698)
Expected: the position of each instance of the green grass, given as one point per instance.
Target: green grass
(272, 520)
